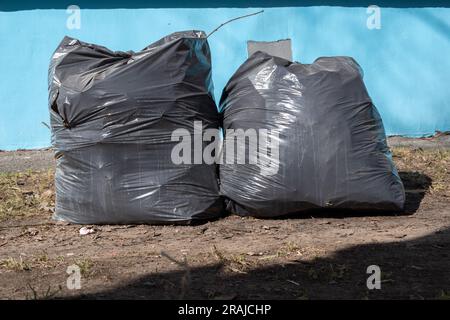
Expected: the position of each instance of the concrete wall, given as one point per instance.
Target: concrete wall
(406, 62)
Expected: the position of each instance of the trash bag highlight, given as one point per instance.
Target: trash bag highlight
(320, 142)
(112, 117)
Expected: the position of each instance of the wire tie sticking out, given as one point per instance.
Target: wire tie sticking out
(231, 20)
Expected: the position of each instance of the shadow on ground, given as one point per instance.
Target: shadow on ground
(416, 185)
(414, 269)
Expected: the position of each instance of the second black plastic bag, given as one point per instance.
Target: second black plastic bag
(112, 119)
(304, 136)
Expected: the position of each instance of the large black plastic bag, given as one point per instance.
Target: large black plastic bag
(332, 147)
(112, 116)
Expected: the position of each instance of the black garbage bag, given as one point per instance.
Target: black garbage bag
(112, 117)
(320, 142)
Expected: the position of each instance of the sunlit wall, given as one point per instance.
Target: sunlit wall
(406, 58)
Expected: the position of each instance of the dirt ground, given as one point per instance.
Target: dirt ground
(315, 255)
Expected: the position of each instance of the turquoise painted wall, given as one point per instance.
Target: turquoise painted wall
(406, 62)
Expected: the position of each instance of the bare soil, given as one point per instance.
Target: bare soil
(321, 254)
(25, 160)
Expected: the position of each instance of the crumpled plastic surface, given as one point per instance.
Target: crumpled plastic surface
(332, 150)
(112, 116)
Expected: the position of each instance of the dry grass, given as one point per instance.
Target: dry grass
(434, 163)
(236, 263)
(288, 249)
(14, 264)
(85, 266)
(42, 260)
(27, 193)
(39, 261)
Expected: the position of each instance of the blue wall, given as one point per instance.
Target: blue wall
(406, 63)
